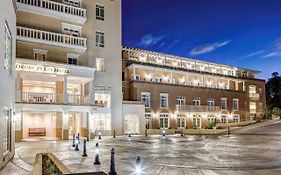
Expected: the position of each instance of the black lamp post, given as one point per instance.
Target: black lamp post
(84, 149)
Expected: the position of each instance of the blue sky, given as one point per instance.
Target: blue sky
(243, 33)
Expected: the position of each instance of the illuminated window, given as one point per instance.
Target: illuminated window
(164, 121)
(145, 98)
(196, 101)
(164, 100)
(236, 118)
(253, 107)
(211, 102)
(180, 102)
(100, 64)
(224, 118)
(99, 12)
(102, 121)
(99, 39)
(196, 121)
(181, 121)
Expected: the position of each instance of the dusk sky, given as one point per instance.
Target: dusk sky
(242, 33)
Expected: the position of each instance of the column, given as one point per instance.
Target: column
(18, 126)
(134, 73)
(91, 124)
(65, 125)
(187, 79)
(243, 84)
(227, 84)
(92, 91)
(65, 98)
(171, 75)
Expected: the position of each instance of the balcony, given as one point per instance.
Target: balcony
(52, 39)
(193, 108)
(51, 98)
(53, 9)
(254, 96)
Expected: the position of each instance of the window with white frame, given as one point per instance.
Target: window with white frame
(211, 118)
(72, 59)
(100, 64)
(253, 107)
(75, 3)
(181, 121)
(8, 49)
(211, 102)
(70, 29)
(196, 121)
(180, 102)
(252, 89)
(164, 121)
(196, 101)
(235, 104)
(224, 118)
(99, 39)
(99, 12)
(223, 103)
(145, 98)
(164, 100)
(158, 79)
(40, 54)
(236, 118)
(7, 130)
(102, 121)
(147, 120)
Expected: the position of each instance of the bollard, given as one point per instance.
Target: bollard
(76, 144)
(84, 149)
(181, 132)
(73, 141)
(114, 133)
(138, 160)
(163, 133)
(97, 159)
(112, 163)
(138, 169)
(99, 134)
(129, 133)
(78, 135)
(145, 132)
(228, 131)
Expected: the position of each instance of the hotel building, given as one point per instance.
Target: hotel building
(68, 61)
(181, 93)
(7, 77)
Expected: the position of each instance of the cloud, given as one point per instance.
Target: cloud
(278, 44)
(150, 40)
(255, 53)
(273, 54)
(172, 44)
(208, 48)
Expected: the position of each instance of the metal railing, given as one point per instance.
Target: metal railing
(201, 108)
(56, 38)
(55, 6)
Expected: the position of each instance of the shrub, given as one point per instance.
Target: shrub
(210, 125)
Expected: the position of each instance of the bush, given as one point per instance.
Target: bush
(276, 112)
(210, 125)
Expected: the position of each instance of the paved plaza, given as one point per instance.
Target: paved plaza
(248, 151)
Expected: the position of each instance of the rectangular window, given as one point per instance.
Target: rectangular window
(223, 103)
(100, 12)
(147, 121)
(99, 39)
(102, 121)
(196, 101)
(235, 104)
(253, 107)
(211, 102)
(8, 49)
(7, 125)
(100, 64)
(164, 121)
(180, 102)
(164, 100)
(181, 121)
(224, 118)
(72, 61)
(75, 3)
(70, 29)
(145, 98)
(236, 118)
(211, 118)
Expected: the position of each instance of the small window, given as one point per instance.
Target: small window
(99, 39)
(100, 64)
(223, 103)
(236, 118)
(40, 54)
(145, 98)
(164, 100)
(211, 102)
(72, 59)
(70, 29)
(99, 12)
(235, 104)
(75, 3)
(196, 101)
(147, 120)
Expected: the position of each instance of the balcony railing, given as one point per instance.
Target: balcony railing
(254, 96)
(193, 108)
(53, 9)
(51, 38)
(52, 98)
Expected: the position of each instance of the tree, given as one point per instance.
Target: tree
(273, 91)
(276, 112)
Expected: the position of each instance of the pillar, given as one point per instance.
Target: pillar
(18, 126)
(65, 125)
(65, 99)
(91, 124)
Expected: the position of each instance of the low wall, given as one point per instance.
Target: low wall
(225, 125)
(187, 131)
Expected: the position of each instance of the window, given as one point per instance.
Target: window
(236, 118)
(196, 101)
(70, 29)
(211, 119)
(145, 98)
(180, 102)
(164, 100)
(75, 3)
(147, 121)
(224, 118)
(235, 104)
(99, 39)
(7, 124)
(72, 59)
(102, 121)
(100, 64)
(158, 79)
(164, 121)
(99, 12)
(181, 121)
(8, 49)
(211, 102)
(135, 77)
(196, 121)
(253, 107)
(223, 103)
(40, 54)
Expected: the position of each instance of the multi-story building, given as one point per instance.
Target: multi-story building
(68, 53)
(187, 93)
(7, 77)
